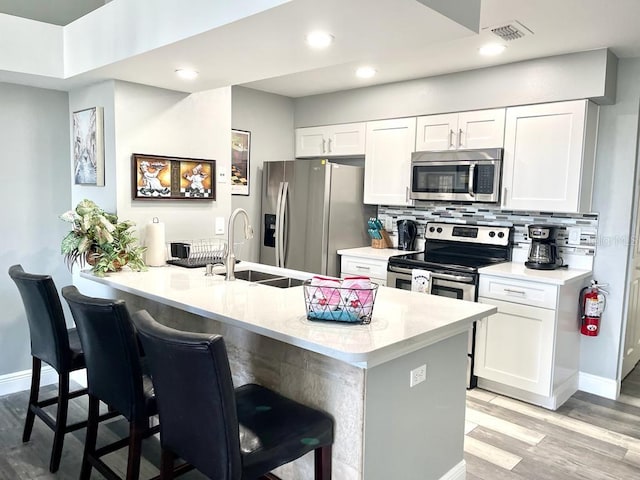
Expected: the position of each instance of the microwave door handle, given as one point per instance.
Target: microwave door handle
(472, 169)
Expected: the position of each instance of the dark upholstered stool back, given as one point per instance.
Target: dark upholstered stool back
(114, 373)
(196, 400)
(47, 328)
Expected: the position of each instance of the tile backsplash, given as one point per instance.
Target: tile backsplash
(489, 215)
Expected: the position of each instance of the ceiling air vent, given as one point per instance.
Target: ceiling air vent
(510, 31)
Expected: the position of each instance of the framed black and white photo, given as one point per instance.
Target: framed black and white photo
(88, 147)
(240, 148)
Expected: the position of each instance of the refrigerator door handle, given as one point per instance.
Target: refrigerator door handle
(278, 223)
(283, 222)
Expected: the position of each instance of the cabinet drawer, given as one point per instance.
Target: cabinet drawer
(518, 291)
(363, 266)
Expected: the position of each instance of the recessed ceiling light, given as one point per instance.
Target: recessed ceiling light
(186, 73)
(319, 39)
(491, 49)
(365, 72)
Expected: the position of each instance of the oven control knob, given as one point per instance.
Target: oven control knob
(492, 234)
(432, 229)
(439, 229)
(500, 234)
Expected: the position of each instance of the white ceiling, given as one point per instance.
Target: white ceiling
(401, 38)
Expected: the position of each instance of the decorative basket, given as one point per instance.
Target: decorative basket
(337, 304)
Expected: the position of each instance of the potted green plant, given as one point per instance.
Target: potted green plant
(99, 239)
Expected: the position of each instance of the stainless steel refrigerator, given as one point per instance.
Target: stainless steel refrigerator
(311, 209)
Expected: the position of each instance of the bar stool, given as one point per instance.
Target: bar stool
(53, 344)
(115, 376)
(225, 433)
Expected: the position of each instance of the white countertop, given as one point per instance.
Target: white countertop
(374, 253)
(402, 321)
(517, 270)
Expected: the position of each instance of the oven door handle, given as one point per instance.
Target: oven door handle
(452, 278)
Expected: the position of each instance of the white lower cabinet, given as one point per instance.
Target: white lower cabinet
(530, 348)
(372, 268)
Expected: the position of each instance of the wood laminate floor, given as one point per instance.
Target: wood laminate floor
(587, 438)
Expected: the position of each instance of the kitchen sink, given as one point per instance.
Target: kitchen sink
(282, 282)
(269, 279)
(255, 276)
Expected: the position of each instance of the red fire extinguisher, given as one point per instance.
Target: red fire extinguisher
(592, 304)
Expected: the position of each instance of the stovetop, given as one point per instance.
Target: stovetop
(459, 248)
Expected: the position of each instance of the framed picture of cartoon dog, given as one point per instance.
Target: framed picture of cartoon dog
(157, 177)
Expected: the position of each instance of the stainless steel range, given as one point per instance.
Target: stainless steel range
(452, 255)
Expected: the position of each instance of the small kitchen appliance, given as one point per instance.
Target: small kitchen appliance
(407, 233)
(453, 254)
(460, 175)
(543, 253)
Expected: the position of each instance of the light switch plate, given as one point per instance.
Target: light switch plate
(219, 225)
(573, 234)
(222, 176)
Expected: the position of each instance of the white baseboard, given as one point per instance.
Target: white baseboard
(458, 472)
(601, 386)
(20, 381)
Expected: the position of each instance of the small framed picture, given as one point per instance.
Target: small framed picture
(157, 177)
(88, 147)
(240, 167)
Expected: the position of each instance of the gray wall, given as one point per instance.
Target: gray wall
(269, 118)
(613, 198)
(36, 170)
(564, 77)
(583, 75)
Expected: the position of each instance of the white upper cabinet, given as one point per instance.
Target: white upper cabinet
(549, 154)
(330, 140)
(461, 131)
(387, 170)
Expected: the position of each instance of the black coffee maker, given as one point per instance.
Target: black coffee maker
(407, 233)
(543, 253)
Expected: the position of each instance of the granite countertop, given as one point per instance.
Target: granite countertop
(402, 321)
(518, 271)
(374, 253)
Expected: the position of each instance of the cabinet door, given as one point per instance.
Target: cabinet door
(387, 169)
(543, 150)
(481, 129)
(311, 142)
(437, 132)
(347, 139)
(515, 346)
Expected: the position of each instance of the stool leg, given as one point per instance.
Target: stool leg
(136, 433)
(33, 397)
(322, 457)
(166, 465)
(91, 437)
(61, 421)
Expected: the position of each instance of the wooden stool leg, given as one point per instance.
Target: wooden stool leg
(91, 437)
(166, 465)
(136, 433)
(61, 421)
(322, 457)
(33, 398)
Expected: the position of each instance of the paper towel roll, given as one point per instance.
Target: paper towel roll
(156, 254)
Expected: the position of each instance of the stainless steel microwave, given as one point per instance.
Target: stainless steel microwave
(460, 175)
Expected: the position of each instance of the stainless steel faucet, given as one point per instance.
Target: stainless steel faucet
(230, 259)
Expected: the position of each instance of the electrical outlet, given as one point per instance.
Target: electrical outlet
(573, 234)
(219, 225)
(417, 375)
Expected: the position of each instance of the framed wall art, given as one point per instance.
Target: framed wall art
(88, 147)
(157, 177)
(240, 149)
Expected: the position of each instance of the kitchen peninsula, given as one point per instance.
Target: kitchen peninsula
(358, 373)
